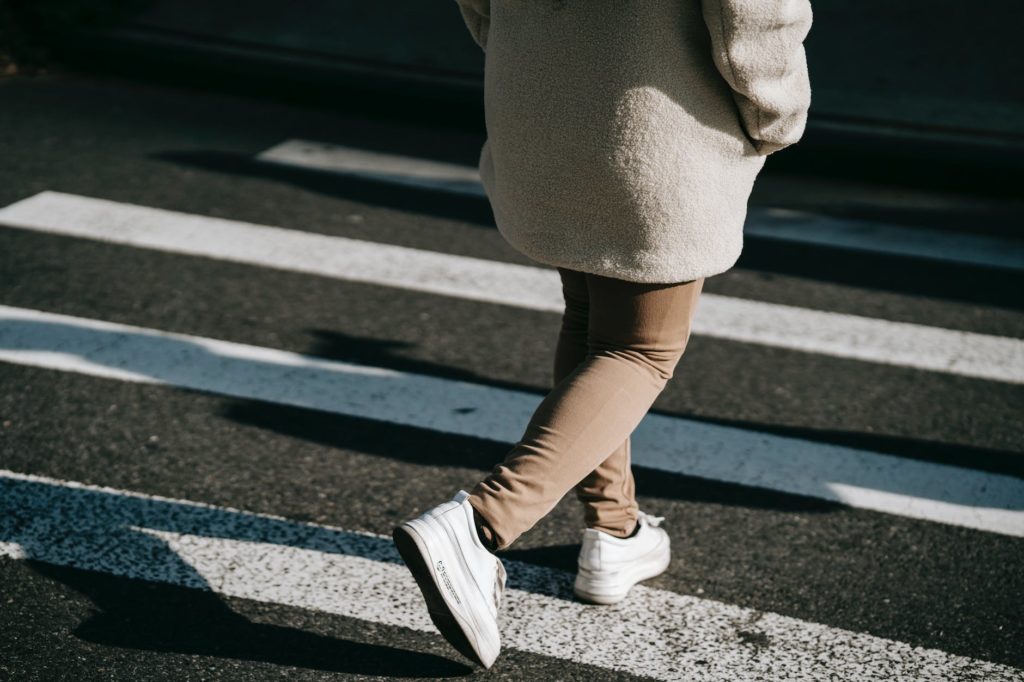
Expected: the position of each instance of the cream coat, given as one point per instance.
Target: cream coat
(624, 136)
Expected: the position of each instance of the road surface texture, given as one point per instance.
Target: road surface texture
(236, 349)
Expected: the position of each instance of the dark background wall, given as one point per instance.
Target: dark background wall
(927, 79)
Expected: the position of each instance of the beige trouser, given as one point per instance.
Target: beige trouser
(618, 345)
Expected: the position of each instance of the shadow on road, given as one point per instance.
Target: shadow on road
(165, 618)
(883, 272)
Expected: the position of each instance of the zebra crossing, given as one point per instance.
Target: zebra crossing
(667, 635)
(846, 336)
(253, 555)
(776, 224)
(930, 491)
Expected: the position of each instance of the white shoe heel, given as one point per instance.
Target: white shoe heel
(609, 566)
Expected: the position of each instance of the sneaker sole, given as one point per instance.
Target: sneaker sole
(643, 572)
(451, 626)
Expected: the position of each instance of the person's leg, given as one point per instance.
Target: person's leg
(636, 335)
(608, 493)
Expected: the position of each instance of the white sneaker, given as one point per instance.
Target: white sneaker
(608, 566)
(461, 580)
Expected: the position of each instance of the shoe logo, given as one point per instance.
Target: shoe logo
(447, 582)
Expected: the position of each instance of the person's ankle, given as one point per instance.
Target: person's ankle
(484, 532)
(618, 534)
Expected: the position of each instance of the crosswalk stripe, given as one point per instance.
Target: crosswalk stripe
(655, 633)
(858, 478)
(778, 224)
(381, 166)
(814, 331)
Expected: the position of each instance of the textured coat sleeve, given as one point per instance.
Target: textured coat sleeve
(758, 48)
(477, 15)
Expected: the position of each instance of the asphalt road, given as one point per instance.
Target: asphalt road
(76, 607)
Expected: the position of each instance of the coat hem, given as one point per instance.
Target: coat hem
(640, 275)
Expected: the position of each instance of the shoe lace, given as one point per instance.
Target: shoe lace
(651, 518)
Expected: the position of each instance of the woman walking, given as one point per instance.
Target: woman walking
(623, 140)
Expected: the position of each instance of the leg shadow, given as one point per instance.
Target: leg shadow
(158, 617)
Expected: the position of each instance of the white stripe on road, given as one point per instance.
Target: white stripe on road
(885, 483)
(846, 336)
(862, 235)
(359, 575)
(382, 166)
(791, 226)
